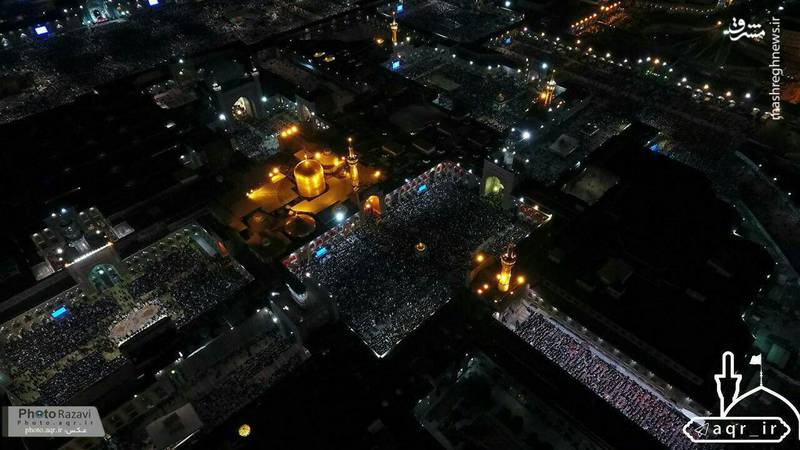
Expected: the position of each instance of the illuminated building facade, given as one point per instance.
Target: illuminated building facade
(98, 11)
(507, 261)
(499, 182)
(309, 176)
(68, 236)
(232, 89)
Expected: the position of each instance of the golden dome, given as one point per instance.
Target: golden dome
(307, 167)
(310, 178)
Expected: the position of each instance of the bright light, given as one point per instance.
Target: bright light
(479, 258)
(263, 99)
(747, 95)
(223, 117)
(244, 430)
(526, 135)
(377, 174)
(339, 216)
(508, 4)
(152, 2)
(520, 279)
(544, 65)
(41, 30)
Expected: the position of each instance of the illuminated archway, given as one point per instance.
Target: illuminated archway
(493, 186)
(104, 276)
(242, 109)
(97, 11)
(373, 205)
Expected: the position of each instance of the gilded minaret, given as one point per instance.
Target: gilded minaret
(549, 92)
(393, 26)
(352, 162)
(507, 261)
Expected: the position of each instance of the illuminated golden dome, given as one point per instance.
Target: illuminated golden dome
(310, 178)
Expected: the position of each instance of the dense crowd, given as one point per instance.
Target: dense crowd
(496, 96)
(246, 375)
(36, 359)
(193, 281)
(75, 377)
(42, 345)
(605, 379)
(73, 62)
(459, 20)
(384, 287)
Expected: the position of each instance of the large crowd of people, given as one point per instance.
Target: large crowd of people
(607, 380)
(459, 20)
(384, 285)
(39, 347)
(64, 384)
(33, 358)
(246, 375)
(71, 63)
(192, 282)
(173, 275)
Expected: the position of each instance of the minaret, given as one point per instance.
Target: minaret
(507, 261)
(352, 162)
(393, 27)
(549, 92)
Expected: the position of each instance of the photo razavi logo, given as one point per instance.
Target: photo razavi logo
(732, 428)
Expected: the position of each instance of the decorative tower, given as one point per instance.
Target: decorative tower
(393, 26)
(352, 163)
(548, 93)
(507, 261)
